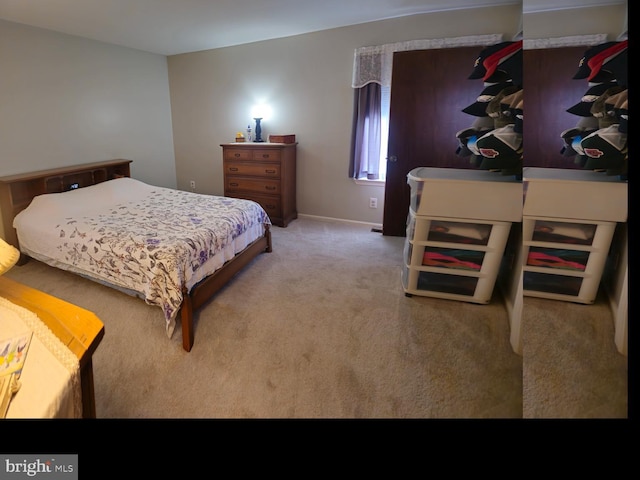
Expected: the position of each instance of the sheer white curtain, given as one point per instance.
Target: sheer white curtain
(372, 69)
(367, 130)
(374, 64)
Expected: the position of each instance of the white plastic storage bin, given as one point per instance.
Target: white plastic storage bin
(574, 195)
(465, 193)
(453, 258)
(564, 260)
(569, 219)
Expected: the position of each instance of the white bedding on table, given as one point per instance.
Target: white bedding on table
(50, 378)
(150, 240)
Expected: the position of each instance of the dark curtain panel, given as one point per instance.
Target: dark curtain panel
(365, 151)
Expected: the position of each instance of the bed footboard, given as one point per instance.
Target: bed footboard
(208, 287)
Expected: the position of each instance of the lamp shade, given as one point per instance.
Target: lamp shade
(9, 256)
(262, 111)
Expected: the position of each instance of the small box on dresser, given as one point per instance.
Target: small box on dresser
(282, 138)
(264, 172)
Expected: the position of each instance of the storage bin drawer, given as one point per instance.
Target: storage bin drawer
(559, 259)
(455, 231)
(563, 232)
(453, 258)
(444, 283)
(552, 284)
(459, 232)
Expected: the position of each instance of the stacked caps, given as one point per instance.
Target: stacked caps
(494, 140)
(599, 139)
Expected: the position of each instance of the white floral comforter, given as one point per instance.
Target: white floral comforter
(156, 242)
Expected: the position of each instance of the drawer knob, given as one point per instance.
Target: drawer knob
(272, 207)
(269, 171)
(233, 169)
(236, 154)
(233, 184)
(265, 155)
(269, 187)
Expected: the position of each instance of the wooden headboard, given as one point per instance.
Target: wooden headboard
(17, 191)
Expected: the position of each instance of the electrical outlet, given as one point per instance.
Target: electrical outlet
(373, 202)
(192, 183)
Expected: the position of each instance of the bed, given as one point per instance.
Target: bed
(172, 248)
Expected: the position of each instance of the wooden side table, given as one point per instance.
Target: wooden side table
(79, 329)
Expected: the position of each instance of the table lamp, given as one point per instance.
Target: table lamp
(259, 113)
(9, 256)
(258, 130)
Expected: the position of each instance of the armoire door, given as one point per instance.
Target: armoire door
(550, 90)
(429, 89)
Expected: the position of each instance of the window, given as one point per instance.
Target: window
(372, 98)
(385, 106)
(370, 132)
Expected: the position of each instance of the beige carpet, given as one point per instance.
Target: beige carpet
(321, 328)
(572, 368)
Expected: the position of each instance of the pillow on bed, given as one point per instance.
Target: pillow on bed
(48, 206)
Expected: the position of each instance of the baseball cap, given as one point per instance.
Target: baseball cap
(502, 114)
(572, 138)
(511, 66)
(595, 57)
(466, 137)
(583, 108)
(606, 148)
(514, 105)
(501, 148)
(618, 106)
(618, 66)
(486, 65)
(490, 91)
(602, 111)
(514, 100)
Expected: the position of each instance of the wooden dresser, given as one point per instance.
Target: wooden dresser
(263, 172)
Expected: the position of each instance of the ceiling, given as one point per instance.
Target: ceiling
(170, 27)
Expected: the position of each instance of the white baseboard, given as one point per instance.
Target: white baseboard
(342, 220)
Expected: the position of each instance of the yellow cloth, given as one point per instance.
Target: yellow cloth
(9, 255)
(50, 379)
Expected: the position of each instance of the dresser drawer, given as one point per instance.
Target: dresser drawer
(271, 205)
(238, 154)
(266, 154)
(236, 184)
(252, 169)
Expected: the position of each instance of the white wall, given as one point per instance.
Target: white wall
(307, 81)
(610, 20)
(65, 100)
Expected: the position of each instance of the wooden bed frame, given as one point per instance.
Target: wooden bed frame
(17, 191)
